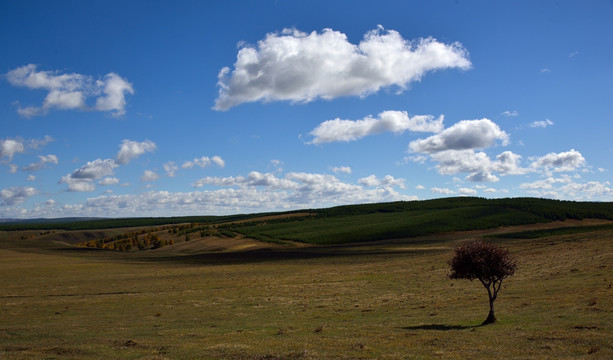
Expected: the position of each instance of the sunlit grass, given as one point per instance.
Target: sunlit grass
(386, 301)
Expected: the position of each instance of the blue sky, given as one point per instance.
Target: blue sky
(160, 108)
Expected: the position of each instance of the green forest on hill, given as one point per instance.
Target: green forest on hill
(356, 223)
(341, 224)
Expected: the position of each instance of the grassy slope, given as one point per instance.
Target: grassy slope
(409, 219)
(381, 300)
(390, 300)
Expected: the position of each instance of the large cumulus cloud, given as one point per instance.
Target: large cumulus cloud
(301, 67)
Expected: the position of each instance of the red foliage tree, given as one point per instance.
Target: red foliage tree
(486, 262)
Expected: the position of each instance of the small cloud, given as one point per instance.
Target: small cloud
(31, 178)
(81, 180)
(467, 191)
(148, 176)
(466, 134)
(541, 124)
(341, 170)
(559, 162)
(16, 195)
(545, 70)
(573, 54)
(510, 113)
(43, 160)
(70, 91)
(10, 147)
(388, 180)
(109, 181)
(204, 162)
(387, 121)
(442, 191)
(129, 150)
(38, 143)
(420, 187)
(171, 168)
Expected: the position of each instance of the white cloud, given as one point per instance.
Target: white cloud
(254, 178)
(70, 91)
(31, 178)
(114, 89)
(82, 178)
(466, 134)
(541, 124)
(369, 181)
(478, 165)
(43, 160)
(420, 187)
(387, 121)
(388, 180)
(302, 67)
(30, 111)
(95, 169)
(545, 184)
(453, 149)
(36, 143)
(467, 191)
(256, 192)
(341, 170)
(510, 113)
(63, 100)
(588, 191)
(461, 161)
(559, 162)
(566, 187)
(171, 168)
(78, 185)
(204, 162)
(10, 147)
(129, 150)
(482, 176)
(508, 164)
(149, 175)
(441, 191)
(16, 195)
(109, 181)
(305, 189)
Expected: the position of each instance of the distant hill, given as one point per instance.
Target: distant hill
(354, 223)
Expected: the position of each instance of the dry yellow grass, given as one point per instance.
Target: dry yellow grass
(386, 300)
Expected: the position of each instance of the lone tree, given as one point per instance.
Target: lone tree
(486, 262)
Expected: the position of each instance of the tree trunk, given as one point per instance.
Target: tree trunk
(491, 318)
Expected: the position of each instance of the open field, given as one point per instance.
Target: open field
(373, 300)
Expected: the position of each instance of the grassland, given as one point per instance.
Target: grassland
(384, 299)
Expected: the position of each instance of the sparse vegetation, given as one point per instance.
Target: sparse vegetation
(387, 299)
